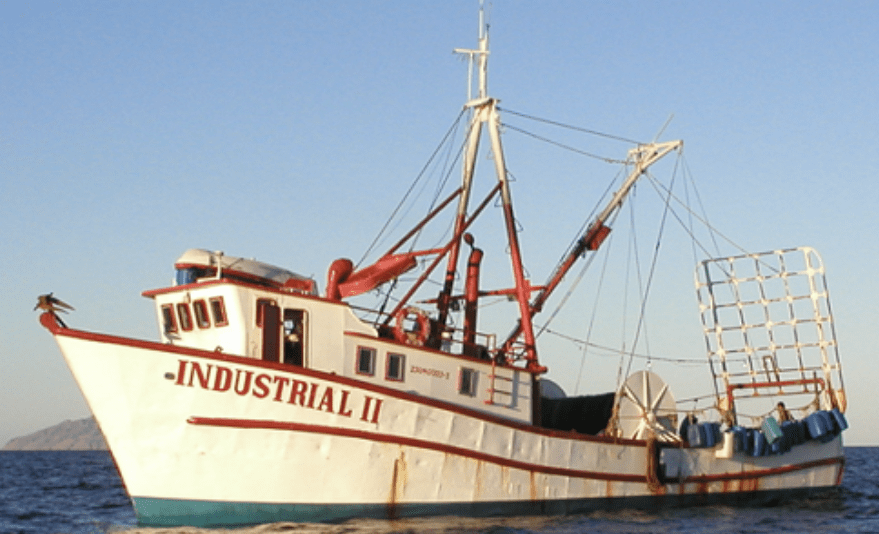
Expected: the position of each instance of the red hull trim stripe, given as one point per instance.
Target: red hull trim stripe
(57, 330)
(750, 475)
(499, 460)
(410, 442)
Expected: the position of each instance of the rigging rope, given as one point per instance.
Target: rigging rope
(713, 231)
(652, 269)
(623, 352)
(570, 127)
(562, 145)
(568, 293)
(633, 245)
(594, 313)
(418, 178)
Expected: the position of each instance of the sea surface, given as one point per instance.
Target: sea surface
(80, 492)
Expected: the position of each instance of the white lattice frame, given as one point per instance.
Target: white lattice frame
(724, 307)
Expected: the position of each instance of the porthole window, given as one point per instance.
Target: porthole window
(396, 366)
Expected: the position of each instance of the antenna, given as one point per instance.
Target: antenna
(482, 54)
(664, 126)
(481, 31)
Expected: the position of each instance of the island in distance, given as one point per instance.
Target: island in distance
(81, 435)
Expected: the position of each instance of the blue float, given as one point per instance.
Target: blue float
(841, 423)
(817, 426)
(759, 443)
(711, 433)
(694, 435)
(771, 430)
(802, 431)
(740, 438)
(748, 441)
(791, 437)
(830, 425)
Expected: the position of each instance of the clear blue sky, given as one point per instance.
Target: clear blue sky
(286, 131)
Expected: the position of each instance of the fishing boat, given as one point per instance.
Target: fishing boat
(268, 398)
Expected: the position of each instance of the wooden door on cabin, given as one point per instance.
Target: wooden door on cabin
(270, 314)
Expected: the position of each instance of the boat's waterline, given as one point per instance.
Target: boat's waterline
(155, 512)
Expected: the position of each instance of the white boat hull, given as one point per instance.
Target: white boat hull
(213, 447)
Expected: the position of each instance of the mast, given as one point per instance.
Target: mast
(522, 287)
(484, 111)
(474, 132)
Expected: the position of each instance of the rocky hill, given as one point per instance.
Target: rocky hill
(82, 435)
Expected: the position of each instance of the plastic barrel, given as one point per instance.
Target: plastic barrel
(711, 431)
(791, 431)
(829, 425)
(739, 435)
(771, 430)
(816, 425)
(802, 431)
(748, 440)
(694, 435)
(841, 423)
(759, 441)
(685, 427)
(777, 447)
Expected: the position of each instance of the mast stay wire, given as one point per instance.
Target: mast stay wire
(573, 243)
(623, 163)
(594, 313)
(634, 262)
(508, 126)
(571, 127)
(640, 333)
(702, 218)
(386, 295)
(662, 190)
(568, 293)
(646, 292)
(384, 229)
(613, 352)
(714, 232)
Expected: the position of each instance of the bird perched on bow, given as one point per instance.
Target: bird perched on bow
(51, 304)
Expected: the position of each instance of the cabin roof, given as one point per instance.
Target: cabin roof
(196, 257)
(203, 265)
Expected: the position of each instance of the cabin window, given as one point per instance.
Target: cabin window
(218, 310)
(169, 322)
(260, 303)
(294, 337)
(365, 361)
(185, 316)
(201, 314)
(467, 382)
(396, 366)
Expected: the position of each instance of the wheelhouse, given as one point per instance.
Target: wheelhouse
(258, 311)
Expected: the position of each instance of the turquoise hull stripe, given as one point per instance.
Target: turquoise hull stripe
(175, 512)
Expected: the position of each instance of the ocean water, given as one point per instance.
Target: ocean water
(80, 492)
